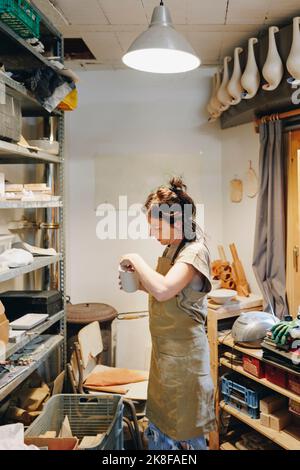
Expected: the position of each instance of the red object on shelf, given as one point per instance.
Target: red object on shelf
(294, 383)
(253, 366)
(276, 376)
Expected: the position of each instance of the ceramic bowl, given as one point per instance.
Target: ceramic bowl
(221, 296)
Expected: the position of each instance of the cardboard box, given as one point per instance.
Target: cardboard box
(4, 325)
(265, 420)
(70, 443)
(272, 403)
(280, 419)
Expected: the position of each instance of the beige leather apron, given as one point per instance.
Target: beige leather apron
(180, 392)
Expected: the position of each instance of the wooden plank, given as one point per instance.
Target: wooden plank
(227, 446)
(212, 334)
(293, 223)
(282, 438)
(228, 341)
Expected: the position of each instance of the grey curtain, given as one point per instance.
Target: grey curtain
(269, 258)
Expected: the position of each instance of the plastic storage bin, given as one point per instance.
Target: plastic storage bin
(21, 17)
(242, 394)
(88, 416)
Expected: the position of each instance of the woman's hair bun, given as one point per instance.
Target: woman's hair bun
(176, 184)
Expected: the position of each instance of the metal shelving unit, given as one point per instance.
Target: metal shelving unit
(30, 105)
(51, 344)
(30, 204)
(13, 153)
(12, 348)
(39, 263)
(17, 54)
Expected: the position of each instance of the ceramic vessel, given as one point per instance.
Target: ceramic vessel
(273, 69)
(223, 96)
(212, 111)
(129, 280)
(221, 296)
(293, 60)
(251, 78)
(234, 86)
(214, 103)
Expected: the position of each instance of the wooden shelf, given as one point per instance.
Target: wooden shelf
(264, 382)
(12, 348)
(227, 446)
(13, 153)
(38, 263)
(13, 204)
(228, 341)
(51, 343)
(30, 106)
(282, 438)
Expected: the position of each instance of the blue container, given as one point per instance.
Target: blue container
(242, 394)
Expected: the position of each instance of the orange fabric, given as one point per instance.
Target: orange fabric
(120, 390)
(114, 376)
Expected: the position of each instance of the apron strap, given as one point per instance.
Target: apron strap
(179, 248)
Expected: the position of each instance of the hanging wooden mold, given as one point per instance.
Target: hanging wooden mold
(250, 80)
(251, 182)
(236, 190)
(273, 68)
(293, 60)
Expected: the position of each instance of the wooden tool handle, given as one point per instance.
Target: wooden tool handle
(234, 252)
(222, 252)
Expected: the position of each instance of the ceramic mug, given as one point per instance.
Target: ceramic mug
(129, 280)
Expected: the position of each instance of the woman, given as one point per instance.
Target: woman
(180, 404)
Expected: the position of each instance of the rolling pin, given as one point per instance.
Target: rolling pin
(241, 281)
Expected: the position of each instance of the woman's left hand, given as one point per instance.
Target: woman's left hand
(129, 261)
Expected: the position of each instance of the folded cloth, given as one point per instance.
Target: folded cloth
(107, 376)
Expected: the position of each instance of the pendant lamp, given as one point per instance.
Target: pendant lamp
(161, 49)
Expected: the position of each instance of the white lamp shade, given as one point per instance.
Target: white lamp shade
(161, 49)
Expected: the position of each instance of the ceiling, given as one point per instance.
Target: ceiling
(213, 27)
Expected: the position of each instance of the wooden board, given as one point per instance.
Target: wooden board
(282, 438)
(251, 182)
(293, 223)
(236, 190)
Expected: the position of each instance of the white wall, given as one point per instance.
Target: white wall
(130, 113)
(239, 145)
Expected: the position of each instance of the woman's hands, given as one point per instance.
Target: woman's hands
(129, 261)
(161, 287)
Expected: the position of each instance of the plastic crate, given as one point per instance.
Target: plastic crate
(242, 394)
(88, 416)
(21, 17)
